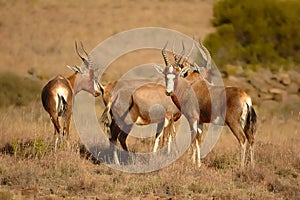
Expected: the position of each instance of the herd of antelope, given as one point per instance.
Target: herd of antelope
(183, 89)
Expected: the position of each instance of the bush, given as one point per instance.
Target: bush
(16, 90)
(252, 32)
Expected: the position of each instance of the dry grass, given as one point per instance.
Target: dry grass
(30, 168)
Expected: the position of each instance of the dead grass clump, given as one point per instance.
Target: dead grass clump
(286, 190)
(201, 188)
(220, 161)
(249, 176)
(36, 148)
(6, 195)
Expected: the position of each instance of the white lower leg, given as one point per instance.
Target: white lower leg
(156, 143)
(198, 153)
(194, 154)
(116, 158)
(243, 154)
(169, 144)
(252, 156)
(56, 142)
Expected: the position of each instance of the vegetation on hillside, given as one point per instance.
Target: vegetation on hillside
(16, 90)
(256, 32)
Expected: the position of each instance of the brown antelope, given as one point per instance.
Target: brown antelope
(147, 104)
(58, 94)
(235, 109)
(136, 101)
(182, 95)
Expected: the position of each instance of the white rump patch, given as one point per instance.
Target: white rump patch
(247, 104)
(61, 92)
(244, 115)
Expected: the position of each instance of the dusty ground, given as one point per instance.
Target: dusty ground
(38, 36)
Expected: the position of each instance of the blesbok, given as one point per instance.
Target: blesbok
(58, 94)
(137, 101)
(235, 108)
(183, 95)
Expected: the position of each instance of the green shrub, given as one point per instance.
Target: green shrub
(253, 32)
(16, 90)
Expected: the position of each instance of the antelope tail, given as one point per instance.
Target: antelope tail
(250, 124)
(61, 106)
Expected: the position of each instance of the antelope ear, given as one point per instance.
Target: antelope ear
(159, 69)
(197, 68)
(193, 68)
(183, 71)
(75, 69)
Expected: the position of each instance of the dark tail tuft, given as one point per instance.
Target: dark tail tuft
(250, 127)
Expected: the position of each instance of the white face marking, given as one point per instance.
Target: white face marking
(170, 83)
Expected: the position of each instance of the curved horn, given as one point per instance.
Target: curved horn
(190, 53)
(208, 56)
(163, 52)
(181, 54)
(87, 55)
(173, 52)
(89, 60)
(86, 63)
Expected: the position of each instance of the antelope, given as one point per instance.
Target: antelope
(58, 94)
(136, 101)
(183, 95)
(236, 109)
(140, 102)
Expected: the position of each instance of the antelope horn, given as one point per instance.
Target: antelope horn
(163, 52)
(181, 54)
(86, 63)
(173, 52)
(190, 53)
(87, 55)
(208, 56)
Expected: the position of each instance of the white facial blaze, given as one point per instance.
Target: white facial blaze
(170, 83)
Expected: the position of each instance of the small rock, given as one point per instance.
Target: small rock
(295, 76)
(269, 105)
(265, 96)
(258, 83)
(276, 91)
(278, 94)
(293, 88)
